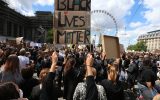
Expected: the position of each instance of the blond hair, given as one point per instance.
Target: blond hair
(94, 72)
(157, 97)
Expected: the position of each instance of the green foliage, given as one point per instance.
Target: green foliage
(49, 37)
(131, 47)
(139, 46)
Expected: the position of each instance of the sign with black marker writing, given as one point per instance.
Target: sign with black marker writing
(72, 20)
(73, 5)
(73, 36)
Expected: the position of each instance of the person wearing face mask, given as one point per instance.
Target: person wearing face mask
(112, 86)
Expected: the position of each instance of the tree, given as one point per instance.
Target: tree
(139, 46)
(49, 38)
(131, 47)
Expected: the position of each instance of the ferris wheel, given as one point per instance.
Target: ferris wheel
(102, 22)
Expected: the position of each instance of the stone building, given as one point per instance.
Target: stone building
(40, 24)
(152, 40)
(33, 28)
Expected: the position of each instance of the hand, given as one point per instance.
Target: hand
(54, 62)
(65, 60)
(89, 60)
(54, 58)
(89, 64)
(117, 60)
(103, 55)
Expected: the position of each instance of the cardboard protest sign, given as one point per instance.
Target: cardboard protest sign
(19, 40)
(32, 44)
(73, 5)
(73, 36)
(71, 20)
(111, 46)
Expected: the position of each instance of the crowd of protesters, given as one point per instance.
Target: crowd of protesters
(77, 74)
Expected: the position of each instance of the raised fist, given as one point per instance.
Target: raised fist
(54, 58)
(89, 60)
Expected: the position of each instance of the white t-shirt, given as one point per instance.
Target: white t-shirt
(23, 61)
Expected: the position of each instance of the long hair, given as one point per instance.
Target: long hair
(12, 64)
(69, 64)
(113, 71)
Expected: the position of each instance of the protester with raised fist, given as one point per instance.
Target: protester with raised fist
(48, 91)
(91, 89)
(80, 91)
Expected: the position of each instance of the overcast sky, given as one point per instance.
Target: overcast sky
(133, 17)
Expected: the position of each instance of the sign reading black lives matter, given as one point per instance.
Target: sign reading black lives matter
(72, 21)
(73, 5)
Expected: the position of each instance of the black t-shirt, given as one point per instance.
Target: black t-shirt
(113, 91)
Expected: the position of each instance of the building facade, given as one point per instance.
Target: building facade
(40, 24)
(14, 24)
(152, 40)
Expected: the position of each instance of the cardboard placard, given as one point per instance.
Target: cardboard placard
(111, 46)
(73, 5)
(75, 20)
(19, 40)
(73, 36)
(72, 21)
(32, 44)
